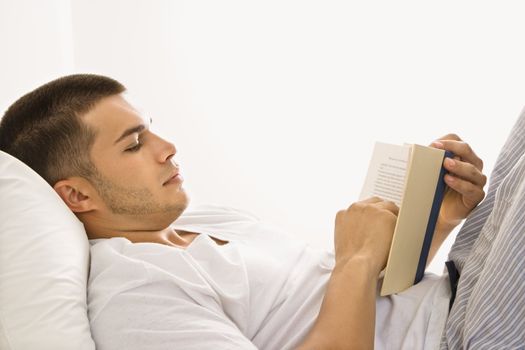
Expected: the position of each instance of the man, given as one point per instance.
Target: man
(120, 179)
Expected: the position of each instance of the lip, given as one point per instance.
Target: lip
(175, 178)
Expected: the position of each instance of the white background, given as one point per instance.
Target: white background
(274, 106)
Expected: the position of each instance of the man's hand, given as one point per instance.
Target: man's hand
(364, 231)
(465, 182)
(363, 234)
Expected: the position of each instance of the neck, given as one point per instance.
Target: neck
(168, 236)
(136, 229)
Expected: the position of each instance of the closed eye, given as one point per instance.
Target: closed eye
(134, 148)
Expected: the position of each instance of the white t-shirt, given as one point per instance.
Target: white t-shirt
(261, 290)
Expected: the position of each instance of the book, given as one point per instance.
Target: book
(412, 176)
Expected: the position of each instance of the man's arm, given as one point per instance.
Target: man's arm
(347, 317)
(363, 234)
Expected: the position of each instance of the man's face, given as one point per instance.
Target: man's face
(134, 166)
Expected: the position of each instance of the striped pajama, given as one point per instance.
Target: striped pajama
(489, 253)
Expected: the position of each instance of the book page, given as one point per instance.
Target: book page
(386, 173)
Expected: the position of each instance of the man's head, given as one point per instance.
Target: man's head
(44, 127)
(81, 135)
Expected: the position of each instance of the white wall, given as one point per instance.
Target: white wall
(36, 45)
(274, 106)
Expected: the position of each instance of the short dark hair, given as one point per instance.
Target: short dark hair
(44, 128)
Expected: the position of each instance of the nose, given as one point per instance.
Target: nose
(166, 150)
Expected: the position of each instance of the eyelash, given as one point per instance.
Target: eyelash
(134, 148)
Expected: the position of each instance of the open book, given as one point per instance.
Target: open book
(412, 177)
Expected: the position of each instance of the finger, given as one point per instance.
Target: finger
(450, 137)
(438, 144)
(390, 206)
(464, 151)
(373, 199)
(471, 193)
(466, 171)
(362, 203)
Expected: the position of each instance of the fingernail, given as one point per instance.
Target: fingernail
(437, 144)
(450, 162)
(449, 178)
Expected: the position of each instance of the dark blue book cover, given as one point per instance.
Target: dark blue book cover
(432, 220)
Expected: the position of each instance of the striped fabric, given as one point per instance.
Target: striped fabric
(489, 252)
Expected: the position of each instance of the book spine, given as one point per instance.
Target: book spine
(432, 220)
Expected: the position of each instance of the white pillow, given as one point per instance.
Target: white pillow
(44, 261)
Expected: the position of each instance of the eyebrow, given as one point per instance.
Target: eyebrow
(132, 130)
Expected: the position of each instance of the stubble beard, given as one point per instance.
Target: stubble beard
(132, 201)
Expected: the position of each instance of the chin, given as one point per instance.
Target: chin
(176, 210)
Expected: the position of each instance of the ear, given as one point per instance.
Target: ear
(75, 193)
